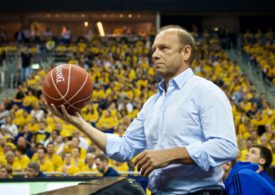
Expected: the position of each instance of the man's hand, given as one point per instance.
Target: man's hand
(75, 120)
(149, 160)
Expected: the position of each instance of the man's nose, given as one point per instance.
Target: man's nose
(155, 55)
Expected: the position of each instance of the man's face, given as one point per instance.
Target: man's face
(50, 149)
(30, 173)
(254, 156)
(67, 158)
(41, 153)
(3, 173)
(100, 165)
(10, 158)
(90, 160)
(167, 54)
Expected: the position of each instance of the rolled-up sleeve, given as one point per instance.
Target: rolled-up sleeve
(126, 147)
(219, 145)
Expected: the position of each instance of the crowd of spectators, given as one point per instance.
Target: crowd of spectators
(260, 48)
(123, 78)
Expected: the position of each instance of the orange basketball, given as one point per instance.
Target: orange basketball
(69, 85)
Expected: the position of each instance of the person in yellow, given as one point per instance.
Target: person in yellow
(107, 122)
(90, 114)
(23, 159)
(5, 172)
(68, 167)
(89, 163)
(77, 161)
(245, 150)
(42, 134)
(74, 143)
(53, 157)
(12, 161)
(45, 164)
(120, 166)
(2, 145)
(33, 125)
(30, 99)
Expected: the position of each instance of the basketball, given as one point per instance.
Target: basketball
(68, 85)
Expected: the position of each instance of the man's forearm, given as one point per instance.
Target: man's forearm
(179, 155)
(98, 137)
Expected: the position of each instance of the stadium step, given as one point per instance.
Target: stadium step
(254, 75)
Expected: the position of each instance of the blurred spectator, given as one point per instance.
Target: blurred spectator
(83, 143)
(65, 35)
(33, 171)
(20, 93)
(22, 36)
(3, 37)
(89, 163)
(10, 128)
(5, 172)
(42, 134)
(35, 35)
(13, 162)
(23, 159)
(46, 165)
(68, 167)
(53, 157)
(52, 138)
(37, 112)
(26, 63)
(77, 160)
(59, 145)
(3, 113)
(102, 165)
(47, 34)
(25, 137)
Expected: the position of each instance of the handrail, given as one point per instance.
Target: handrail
(90, 173)
(126, 173)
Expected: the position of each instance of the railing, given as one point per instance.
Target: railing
(61, 174)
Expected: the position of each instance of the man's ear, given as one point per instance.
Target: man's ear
(262, 161)
(186, 51)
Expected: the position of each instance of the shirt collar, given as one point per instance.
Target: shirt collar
(178, 80)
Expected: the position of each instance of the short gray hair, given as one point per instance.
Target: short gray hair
(35, 166)
(185, 38)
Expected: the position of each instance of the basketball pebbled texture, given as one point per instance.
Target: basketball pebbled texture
(69, 85)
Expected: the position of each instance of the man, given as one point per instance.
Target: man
(5, 172)
(102, 165)
(33, 171)
(53, 157)
(249, 177)
(183, 133)
(46, 165)
(89, 163)
(261, 156)
(68, 167)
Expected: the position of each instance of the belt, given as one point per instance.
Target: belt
(208, 192)
(204, 192)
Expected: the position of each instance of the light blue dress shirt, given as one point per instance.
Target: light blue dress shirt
(193, 113)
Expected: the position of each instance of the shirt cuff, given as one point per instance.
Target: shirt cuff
(199, 156)
(111, 145)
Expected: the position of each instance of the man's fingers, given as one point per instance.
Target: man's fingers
(55, 111)
(64, 111)
(142, 162)
(139, 157)
(144, 167)
(148, 171)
